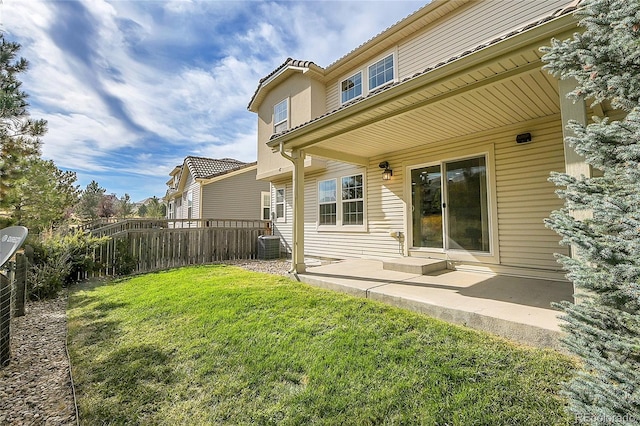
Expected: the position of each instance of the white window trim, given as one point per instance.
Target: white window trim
(190, 204)
(319, 203)
(364, 71)
(282, 219)
(339, 227)
(362, 86)
(395, 71)
(493, 256)
(264, 205)
(276, 124)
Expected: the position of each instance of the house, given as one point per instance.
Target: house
(434, 139)
(207, 188)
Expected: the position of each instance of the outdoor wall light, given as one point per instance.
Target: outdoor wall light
(387, 172)
(523, 138)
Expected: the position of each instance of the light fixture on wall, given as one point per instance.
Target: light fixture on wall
(523, 138)
(387, 172)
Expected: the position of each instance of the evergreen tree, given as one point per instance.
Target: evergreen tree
(90, 201)
(44, 196)
(142, 211)
(155, 208)
(603, 328)
(125, 206)
(19, 134)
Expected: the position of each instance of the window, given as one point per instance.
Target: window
(281, 116)
(170, 210)
(266, 205)
(280, 199)
(341, 201)
(381, 72)
(327, 204)
(351, 87)
(189, 204)
(352, 200)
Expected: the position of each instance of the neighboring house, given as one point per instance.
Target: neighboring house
(433, 139)
(207, 188)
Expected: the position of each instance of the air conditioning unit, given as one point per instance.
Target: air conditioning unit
(268, 247)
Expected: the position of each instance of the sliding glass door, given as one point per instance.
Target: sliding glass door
(451, 213)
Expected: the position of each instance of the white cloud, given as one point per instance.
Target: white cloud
(141, 99)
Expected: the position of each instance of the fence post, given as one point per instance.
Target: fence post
(5, 320)
(21, 285)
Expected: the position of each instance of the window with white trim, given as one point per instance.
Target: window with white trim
(351, 87)
(189, 204)
(171, 210)
(327, 202)
(381, 72)
(341, 202)
(280, 205)
(281, 116)
(265, 205)
(352, 200)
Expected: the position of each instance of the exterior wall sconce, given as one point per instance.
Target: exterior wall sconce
(523, 138)
(387, 172)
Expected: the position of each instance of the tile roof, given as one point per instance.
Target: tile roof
(560, 12)
(202, 168)
(289, 62)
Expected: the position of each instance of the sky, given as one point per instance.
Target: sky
(130, 88)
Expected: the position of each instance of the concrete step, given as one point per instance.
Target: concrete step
(414, 265)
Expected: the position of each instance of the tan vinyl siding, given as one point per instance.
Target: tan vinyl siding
(235, 197)
(524, 197)
(283, 229)
(190, 185)
(436, 43)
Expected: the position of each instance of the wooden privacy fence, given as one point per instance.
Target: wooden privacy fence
(146, 250)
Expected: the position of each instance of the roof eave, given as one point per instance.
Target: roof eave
(312, 70)
(548, 29)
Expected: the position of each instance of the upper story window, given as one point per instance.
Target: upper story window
(381, 72)
(281, 116)
(351, 87)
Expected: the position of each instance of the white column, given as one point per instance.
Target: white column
(574, 163)
(297, 261)
(577, 111)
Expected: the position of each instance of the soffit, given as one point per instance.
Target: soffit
(510, 91)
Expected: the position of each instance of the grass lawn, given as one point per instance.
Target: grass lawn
(221, 345)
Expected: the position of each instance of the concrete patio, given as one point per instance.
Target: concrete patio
(516, 308)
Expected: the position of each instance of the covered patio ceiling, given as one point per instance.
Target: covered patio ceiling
(499, 86)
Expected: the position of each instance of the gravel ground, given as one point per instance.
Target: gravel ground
(35, 388)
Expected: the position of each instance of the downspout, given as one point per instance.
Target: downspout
(297, 252)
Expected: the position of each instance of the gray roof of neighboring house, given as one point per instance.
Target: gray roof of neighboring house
(202, 168)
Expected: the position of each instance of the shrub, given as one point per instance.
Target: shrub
(60, 258)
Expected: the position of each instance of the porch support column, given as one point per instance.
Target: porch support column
(574, 163)
(297, 260)
(297, 252)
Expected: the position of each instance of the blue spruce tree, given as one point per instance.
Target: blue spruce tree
(603, 328)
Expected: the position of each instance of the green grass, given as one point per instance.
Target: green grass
(220, 345)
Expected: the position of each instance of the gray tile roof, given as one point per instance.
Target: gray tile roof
(202, 168)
